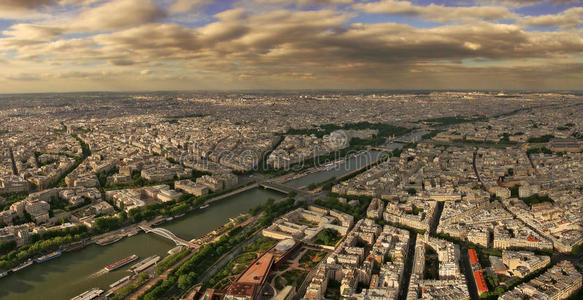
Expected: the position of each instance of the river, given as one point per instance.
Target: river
(352, 163)
(355, 161)
(73, 273)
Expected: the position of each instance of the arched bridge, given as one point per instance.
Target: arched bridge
(285, 189)
(169, 235)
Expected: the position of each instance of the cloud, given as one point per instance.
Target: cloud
(113, 15)
(22, 77)
(116, 15)
(33, 32)
(281, 43)
(435, 12)
(34, 4)
(27, 34)
(306, 39)
(293, 46)
(184, 6)
(25, 4)
(569, 18)
(158, 38)
(520, 3)
(304, 3)
(26, 9)
(29, 9)
(122, 62)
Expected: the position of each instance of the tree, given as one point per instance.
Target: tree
(327, 237)
(7, 247)
(123, 216)
(105, 224)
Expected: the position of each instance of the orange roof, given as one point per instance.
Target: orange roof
(251, 281)
(473, 256)
(532, 239)
(257, 270)
(480, 281)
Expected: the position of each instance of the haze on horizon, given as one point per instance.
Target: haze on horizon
(118, 45)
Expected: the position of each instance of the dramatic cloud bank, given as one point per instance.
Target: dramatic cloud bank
(70, 45)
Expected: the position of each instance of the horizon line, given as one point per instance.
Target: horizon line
(295, 90)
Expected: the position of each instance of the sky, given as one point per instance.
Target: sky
(134, 45)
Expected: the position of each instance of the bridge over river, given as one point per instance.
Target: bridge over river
(286, 189)
(169, 235)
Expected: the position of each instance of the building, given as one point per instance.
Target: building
(13, 184)
(559, 282)
(214, 184)
(565, 145)
(305, 224)
(477, 271)
(375, 209)
(522, 263)
(350, 265)
(250, 283)
(188, 186)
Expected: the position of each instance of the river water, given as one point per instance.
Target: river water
(352, 163)
(73, 273)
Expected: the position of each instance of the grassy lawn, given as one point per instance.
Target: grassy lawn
(261, 245)
(311, 258)
(294, 277)
(245, 258)
(303, 221)
(328, 237)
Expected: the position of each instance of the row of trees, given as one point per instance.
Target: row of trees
(7, 247)
(42, 244)
(454, 120)
(125, 291)
(171, 260)
(355, 211)
(541, 139)
(11, 198)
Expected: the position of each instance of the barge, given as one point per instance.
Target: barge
(121, 263)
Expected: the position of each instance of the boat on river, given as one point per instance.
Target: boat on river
(48, 257)
(109, 240)
(89, 295)
(121, 263)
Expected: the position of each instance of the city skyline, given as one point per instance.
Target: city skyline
(121, 45)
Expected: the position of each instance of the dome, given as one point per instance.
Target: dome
(285, 245)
